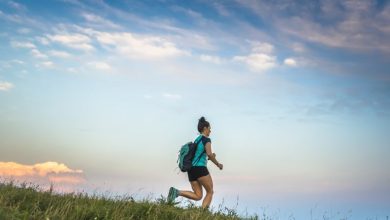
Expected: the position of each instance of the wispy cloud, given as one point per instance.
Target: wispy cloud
(76, 41)
(140, 46)
(97, 21)
(5, 86)
(352, 25)
(172, 96)
(18, 44)
(17, 5)
(60, 54)
(99, 65)
(47, 64)
(211, 59)
(38, 54)
(24, 30)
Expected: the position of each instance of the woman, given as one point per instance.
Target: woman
(198, 175)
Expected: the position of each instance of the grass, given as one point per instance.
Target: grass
(28, 201)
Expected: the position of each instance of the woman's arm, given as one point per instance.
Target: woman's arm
(211, 156)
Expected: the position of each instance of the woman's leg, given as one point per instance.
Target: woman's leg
(207, 183)
(196, 194)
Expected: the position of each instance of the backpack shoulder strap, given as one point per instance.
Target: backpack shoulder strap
(196, 148)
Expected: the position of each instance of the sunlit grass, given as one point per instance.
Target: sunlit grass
(28, 201)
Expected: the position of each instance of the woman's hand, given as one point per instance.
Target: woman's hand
(220, 166)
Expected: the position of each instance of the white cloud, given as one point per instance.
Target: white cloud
(258, 62)
(261, 47)
(211, 59)
(172, 96)
(97, 20)
(38, 54)
(47, 64)
(5, 86)
(18, 44)
(60, 54)
(99, 65)
(290, 62)
(261, 59)
(143, 47)
(34, 51)
(76, 41)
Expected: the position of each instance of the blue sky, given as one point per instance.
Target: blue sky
(297, 94)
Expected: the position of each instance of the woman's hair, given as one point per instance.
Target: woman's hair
(202, 124)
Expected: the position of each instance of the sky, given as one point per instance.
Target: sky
(100, 95)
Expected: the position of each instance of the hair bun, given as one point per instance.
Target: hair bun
(202, 124)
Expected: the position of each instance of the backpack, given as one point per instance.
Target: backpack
(187, 154)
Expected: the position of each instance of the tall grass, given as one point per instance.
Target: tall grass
(28, 201)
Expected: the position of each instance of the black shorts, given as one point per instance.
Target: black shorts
(195, 172)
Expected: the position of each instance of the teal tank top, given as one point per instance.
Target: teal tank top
(200, 158)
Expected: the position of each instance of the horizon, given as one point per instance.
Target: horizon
(102, 94)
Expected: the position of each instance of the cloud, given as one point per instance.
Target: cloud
(290, 62)
(171, 96)
(24, 30)
(99, 65)
(38, 54)
(261, 47)
(353, 25)
(17, 6)
(99, 21)
(17, 61)
(60, 54)
(75, 41)
(298, 47)
(5, 86)
(41, 172)
(211, 59)
(47, 64)
(260, 59)
(258, 62)
(190, 13)
(43, 40)
(140, 46)
(358, 27)
(17, 44)
(34, 50)
(221, 9)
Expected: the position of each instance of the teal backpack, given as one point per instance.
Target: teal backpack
(187, 154)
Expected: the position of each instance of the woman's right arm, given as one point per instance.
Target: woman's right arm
(211, 156)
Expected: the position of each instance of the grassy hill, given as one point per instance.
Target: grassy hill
(29, 202)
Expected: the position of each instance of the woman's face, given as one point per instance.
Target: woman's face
(207, 131)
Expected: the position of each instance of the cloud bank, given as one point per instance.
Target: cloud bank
(43, 174)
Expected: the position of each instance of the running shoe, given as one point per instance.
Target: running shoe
(173, 194)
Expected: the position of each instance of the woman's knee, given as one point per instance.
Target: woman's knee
(210, 191)
(198, 197)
